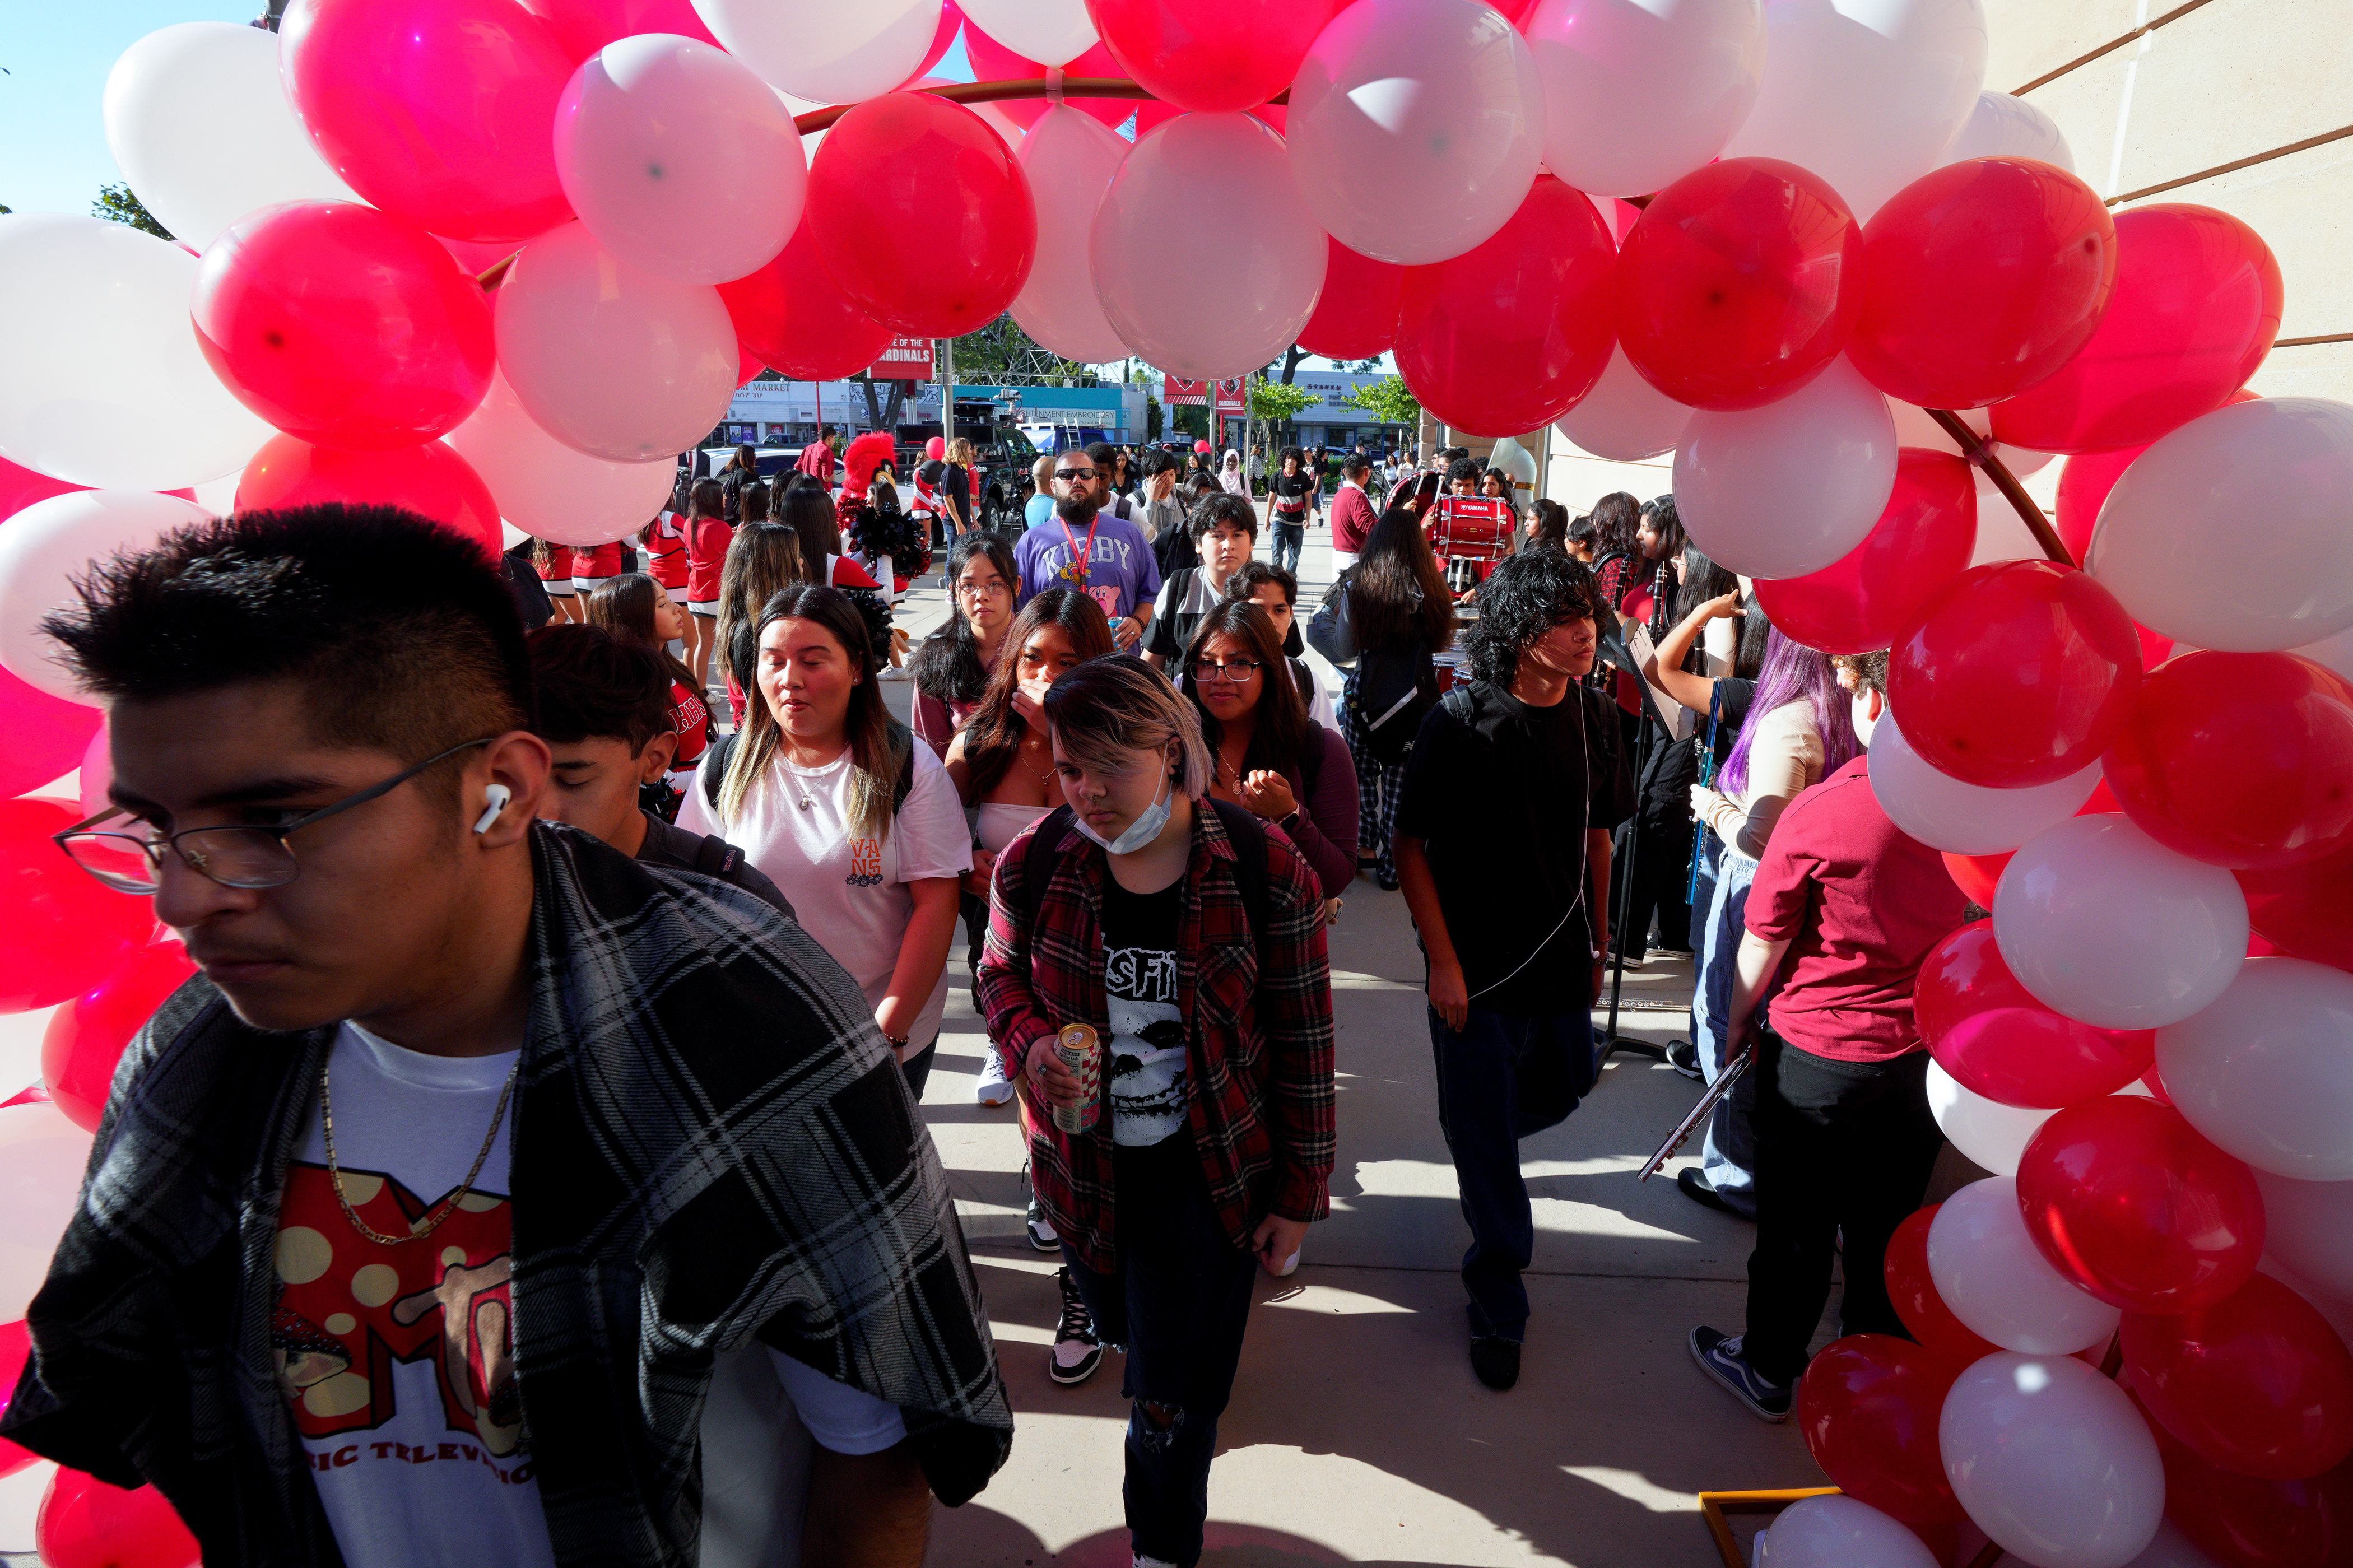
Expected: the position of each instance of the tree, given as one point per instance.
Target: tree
(1002, 350)
(1278, 401)
(884, 416)
(1151, 419)
(119, 203)
(1388, 400)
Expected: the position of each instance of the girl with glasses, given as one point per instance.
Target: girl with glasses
(952, 666)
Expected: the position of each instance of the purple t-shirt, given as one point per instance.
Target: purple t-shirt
(1119, 572)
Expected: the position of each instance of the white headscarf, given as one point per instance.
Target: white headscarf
(1229, 478)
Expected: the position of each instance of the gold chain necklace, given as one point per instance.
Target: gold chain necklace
(421, 1228)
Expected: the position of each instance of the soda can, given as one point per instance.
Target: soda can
(1082, 1052)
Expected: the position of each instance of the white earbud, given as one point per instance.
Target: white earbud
(494, 801)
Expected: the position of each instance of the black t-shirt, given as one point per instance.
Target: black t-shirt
(956, 486)
(1733, 698)
(1145, 1060)
(1501, 793)
(676, 847)
(1291, 493)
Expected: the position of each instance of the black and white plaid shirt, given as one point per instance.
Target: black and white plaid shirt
(709, 1143)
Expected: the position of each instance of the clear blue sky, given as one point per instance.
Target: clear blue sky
(57, 52)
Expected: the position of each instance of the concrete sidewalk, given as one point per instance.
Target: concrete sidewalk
(1358, 1433)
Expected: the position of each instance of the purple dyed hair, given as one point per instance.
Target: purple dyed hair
(1793, 672)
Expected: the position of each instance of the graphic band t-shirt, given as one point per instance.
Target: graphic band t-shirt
(1143, 1055)
(399, 1361)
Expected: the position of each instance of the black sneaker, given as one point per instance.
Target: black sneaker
(1497, 1360)
(1720, 1358)
(1040, 1229)
(1702, 1191)
(1683, 1056)
(1077, 1351)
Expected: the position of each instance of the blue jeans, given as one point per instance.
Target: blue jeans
(1288, 538)
(1178, 1301)
(1729, 1157)
(1501, 1078)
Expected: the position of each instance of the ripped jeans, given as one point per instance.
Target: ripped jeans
(1178, 1301)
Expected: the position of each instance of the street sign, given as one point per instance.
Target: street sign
(907, 359)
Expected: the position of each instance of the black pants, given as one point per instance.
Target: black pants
(1841, 1146)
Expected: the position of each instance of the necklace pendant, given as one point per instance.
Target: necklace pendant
(808, 805)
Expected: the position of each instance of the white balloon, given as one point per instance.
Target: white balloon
(1624, 417)
(548, 490)
(105, 385)
(21, 1492)
(1866, 93)
(1836, 1532)
(2171, 1549)
(2308, 1227)
(678, 159)
(1993, 1135)
(823, 50)
(2001, 126)
(1989, 1272)
(2288, 460)
(1207, 300)
(2052, 1460)
(1069, 158)
(1946, 813)
(1051, 32)
(2266, 1072)
(1788, 488)
(609, 359)
(198, 121)
(1638, 95)
(1436, 97)
(42, 1156)
(2002, 534)
(2333, 653)
(48, 544)
(2104, 923)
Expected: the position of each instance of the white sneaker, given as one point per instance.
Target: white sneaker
(994, 1087)
(1144, 1561)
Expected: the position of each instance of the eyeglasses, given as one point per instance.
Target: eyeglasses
(1074, 473)
(987, 590)
(1236, 670)
(238, 856)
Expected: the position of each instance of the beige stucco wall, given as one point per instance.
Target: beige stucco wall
(2159, 93)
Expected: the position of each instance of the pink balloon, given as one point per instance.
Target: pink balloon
(342, 325)
(584, 26)
(435, 111)
(20, 487)
(1508, 335)
(1356, 315)
(2196, 306)
(97, 769)
(428, 479)
(45, 734)
(1881, 588)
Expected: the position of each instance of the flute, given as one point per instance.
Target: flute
(1699, 1113)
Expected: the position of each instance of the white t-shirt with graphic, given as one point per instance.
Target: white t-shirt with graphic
(399, 1361)
(849, 893)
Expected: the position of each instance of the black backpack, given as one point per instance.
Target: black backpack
(1038, 860)
(1393, 692)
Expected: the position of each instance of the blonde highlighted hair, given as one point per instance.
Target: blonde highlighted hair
(1106, 707)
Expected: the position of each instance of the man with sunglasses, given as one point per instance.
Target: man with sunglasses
(1104, 556)
(490, 1195)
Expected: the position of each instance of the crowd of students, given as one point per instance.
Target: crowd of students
(692, 977)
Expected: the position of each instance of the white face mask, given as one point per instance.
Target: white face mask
(1141, 831)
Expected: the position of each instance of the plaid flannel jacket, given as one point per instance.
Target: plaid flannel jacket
(1258, 1020)
(709, 1143)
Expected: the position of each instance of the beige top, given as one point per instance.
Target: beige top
(1785, 757)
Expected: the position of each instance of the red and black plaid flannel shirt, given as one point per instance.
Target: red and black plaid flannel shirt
(1257, 1019)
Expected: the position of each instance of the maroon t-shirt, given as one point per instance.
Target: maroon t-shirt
(1352, 519)
(1861, 903)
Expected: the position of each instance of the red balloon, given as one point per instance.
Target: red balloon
(2084, 481)
(45, 736)
(2128, 1202)
(2196, 306)
(1211, 57)
(910, 163)
(16, 1350)
(992, 61)
(85, 1523)
(1738, 283)
(791, 315)
(2257, 1383)
(584, 26)
(2242, 759)
(85, 1038)
(1997, 1040)
(1868, 1406)
(2304, 907)
(1879, 590)
(2242, 1521)
(1356, 315)
(66, 931)
(434, 110)
(1913, 1292)
(1508, 335)
(1976, 875)
(20, 487)
(342, 325)
(427, 479)
(944, 36)
(1979, 280)
(2023, 672)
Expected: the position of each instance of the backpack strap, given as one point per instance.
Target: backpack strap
(906, 783)
(1247, 833)
(714, 857)
(713, 768)
(1039, 858)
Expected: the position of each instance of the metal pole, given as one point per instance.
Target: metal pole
(1625, 901)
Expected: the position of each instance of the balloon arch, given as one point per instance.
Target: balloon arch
(498, 260)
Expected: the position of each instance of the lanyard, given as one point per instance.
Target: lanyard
(1082, 561)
